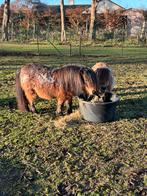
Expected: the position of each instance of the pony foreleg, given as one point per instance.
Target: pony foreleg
(60, 104)
(69, 105)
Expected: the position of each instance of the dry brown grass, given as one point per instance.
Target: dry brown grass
(68, 120)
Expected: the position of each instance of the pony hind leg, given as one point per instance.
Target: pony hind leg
(31, 95)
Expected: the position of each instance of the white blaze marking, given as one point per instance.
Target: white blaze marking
(24, 79)
(43, 79)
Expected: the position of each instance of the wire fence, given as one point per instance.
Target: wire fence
(88, 55)
(46, 47)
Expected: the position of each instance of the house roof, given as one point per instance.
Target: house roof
(117, 4)
(134, 9)
(105, 5)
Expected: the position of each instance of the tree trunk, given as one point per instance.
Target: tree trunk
(12, 30)
(5, 23)
(63, 33)
(34, 29)
(28, 27)
(143, 29)
(87, 21)
(144, 25)
(92, 21)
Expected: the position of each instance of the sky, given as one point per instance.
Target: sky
(124, 3)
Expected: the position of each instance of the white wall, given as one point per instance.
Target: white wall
(104, 5)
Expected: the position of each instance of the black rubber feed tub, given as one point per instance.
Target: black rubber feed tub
(99, 112)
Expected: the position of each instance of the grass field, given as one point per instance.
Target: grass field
(44, 155)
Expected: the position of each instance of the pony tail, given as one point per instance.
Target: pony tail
(22, 102)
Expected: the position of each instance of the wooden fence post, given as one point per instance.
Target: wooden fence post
(80, 44)
(70, 49)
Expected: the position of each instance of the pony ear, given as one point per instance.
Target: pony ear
(81, 70)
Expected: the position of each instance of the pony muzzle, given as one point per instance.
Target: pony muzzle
(94, 92)
(103, 89)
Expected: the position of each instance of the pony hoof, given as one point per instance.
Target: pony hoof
(34, 111)
(69, 111)
(58, 114)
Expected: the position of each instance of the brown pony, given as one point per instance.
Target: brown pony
(104, 76)
(61, 83)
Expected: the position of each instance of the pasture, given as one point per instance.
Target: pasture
(41, 154)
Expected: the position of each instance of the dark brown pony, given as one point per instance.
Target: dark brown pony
(105, 80)
(61, 83)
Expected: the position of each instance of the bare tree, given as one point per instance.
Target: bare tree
(5, 23)
(92, 20)
(144, 24)
(63, 32)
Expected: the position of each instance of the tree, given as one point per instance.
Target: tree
(75, 18)
(63, 33)
(5, 22)
(92, 20)
(144, 24)
(1, 13)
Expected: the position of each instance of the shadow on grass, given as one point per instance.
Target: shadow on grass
(127, 108)
(132, 109)
(132, 93)
(133, 88)
(10, 175)
(125, 60)
(17, 178)
(9, 103)
(43, 107)
(13, 177)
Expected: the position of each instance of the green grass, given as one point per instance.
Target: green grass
(47, 49)
(44, 155)
(89, 54)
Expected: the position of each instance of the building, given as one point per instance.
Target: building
(135, 18)
(136, 22)
(105, 5)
